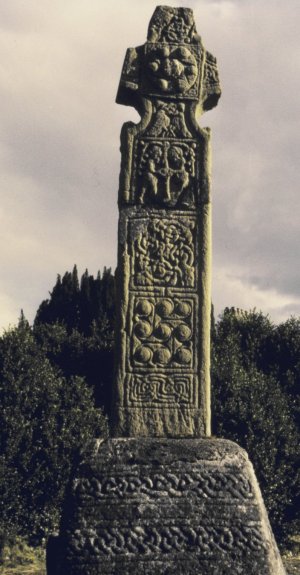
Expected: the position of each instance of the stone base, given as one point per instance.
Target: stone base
(165, 507)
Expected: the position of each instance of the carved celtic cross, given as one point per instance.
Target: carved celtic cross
(162, 383)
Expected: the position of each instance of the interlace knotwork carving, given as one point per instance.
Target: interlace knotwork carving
(209, 483)
(164, 254)
(169, 539)
(159, 389)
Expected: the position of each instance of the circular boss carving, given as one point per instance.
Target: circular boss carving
(172, 69)
(183, 332)
(144, 307)
(143, 329)
(183, 308)
(162, 355)
(163, 332)
(164, 307)
(183, 356)
(143, 354)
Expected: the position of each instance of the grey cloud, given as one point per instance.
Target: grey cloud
(60, 156)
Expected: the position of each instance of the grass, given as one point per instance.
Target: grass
(292, 559)
(21, 559)
(292, 566)
(22, 571)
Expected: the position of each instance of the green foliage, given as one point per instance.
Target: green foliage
(75, 329)
(286, 362)
(46, 419)
(251, 407)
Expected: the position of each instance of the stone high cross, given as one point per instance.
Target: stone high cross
(164, 260)
(162, 498)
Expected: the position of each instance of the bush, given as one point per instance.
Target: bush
(46, 420)
(252, 408)
(76, 354)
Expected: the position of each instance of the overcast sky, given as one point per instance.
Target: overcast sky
(59, 71)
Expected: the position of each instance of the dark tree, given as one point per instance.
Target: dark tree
(85, 306)
(46, 420)
(251, 406)
(75, 329)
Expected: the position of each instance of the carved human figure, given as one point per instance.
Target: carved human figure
(166, 171)
(150, 174)
(178, 173)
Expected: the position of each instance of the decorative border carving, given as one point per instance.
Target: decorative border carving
(147, 540)
(204, 483)
(158, 390)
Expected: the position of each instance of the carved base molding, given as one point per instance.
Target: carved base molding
(165, 507)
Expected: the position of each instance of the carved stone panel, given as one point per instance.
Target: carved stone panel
(168, 120)
(161, 363)
(162, 333)
(164, 172)
(171, 70)
(172, 25)
(159, 389)
(210, 482)
(163, 252)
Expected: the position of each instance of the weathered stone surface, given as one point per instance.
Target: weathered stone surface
(146, 504)
(163, 321)
(159, 506)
